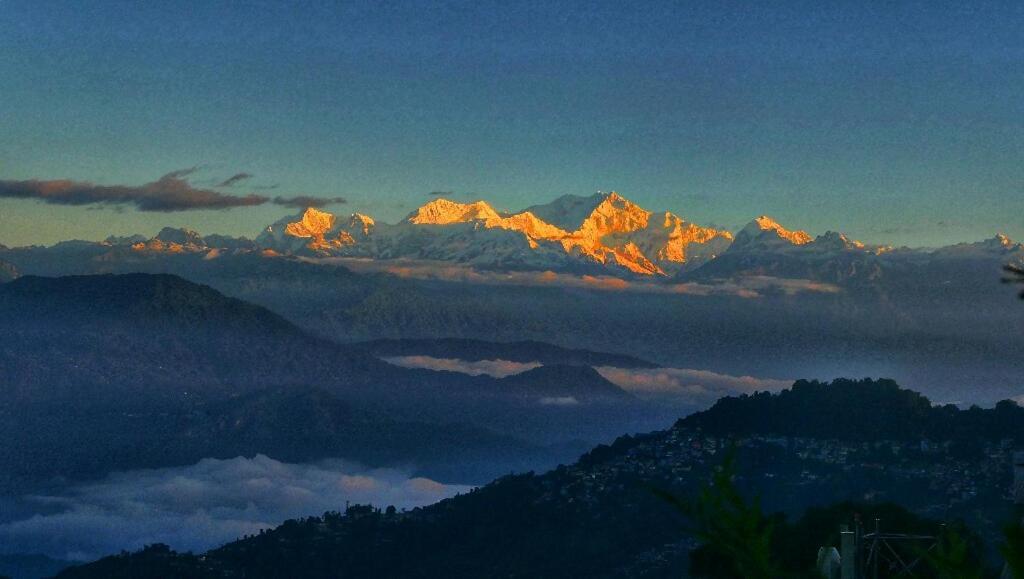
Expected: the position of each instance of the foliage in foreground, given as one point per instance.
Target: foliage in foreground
(739, 541)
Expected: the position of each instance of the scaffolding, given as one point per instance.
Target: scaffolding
(881, 555)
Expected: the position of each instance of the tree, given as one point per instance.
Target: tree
(737, 537)
(952, 558)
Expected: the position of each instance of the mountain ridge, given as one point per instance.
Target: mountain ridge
(603, 231)
(604, 234)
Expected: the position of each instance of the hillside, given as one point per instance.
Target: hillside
(97, 338)
(856, 410)
(599, 516)
(153, 370)
(7, 272)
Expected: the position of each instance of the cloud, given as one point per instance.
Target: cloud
(172, 192)
(203, 505)
(681, 385)
(496, 368)
(699, 387)
(303, 201)
(744, 287)
(169, 193)
(559, 401)
(606, 282)
(235, 179)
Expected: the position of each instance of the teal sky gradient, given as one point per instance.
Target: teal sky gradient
(893, 122)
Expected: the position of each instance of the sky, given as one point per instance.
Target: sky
(896, 122)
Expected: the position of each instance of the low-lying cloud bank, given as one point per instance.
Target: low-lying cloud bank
(745, 287)
(698, 387)
(496, 368)
(204, 505)
(683, 385)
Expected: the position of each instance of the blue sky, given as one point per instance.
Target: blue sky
(895, 122)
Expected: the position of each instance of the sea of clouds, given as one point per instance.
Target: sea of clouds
(197, 507)
(753, 286)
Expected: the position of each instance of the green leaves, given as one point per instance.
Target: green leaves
(952, 558)
(1012, 549)
(736, 534)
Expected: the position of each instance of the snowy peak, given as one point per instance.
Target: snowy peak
(603, 236)
(614, 214)
(444, 212)
(568, 211)
(1001, 241)
(179, 240)
(765, 231)
(122, 239)
(670, 238)
(601, 233)
(313, 223)
(180, 236)
(833, 240)
(362, 223)
(530, 225)
(1000, 246)
(314, 231)
(594, 216)
(171, 240)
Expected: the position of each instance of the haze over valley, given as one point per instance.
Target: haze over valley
(446, 289)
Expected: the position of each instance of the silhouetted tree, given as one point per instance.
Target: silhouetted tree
(736, 534)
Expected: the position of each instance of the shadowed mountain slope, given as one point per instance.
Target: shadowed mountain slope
(91, 338)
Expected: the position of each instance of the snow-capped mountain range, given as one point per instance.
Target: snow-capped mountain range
(603, 233)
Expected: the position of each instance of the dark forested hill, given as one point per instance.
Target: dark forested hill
(7, 271)
(857, 410)
(601, 516)
(146, 370)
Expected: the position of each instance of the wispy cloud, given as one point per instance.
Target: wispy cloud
(744, 287)
(681, 385)
(697, 387)
(303, 201)
(235, 179)
(496, 368)
(169, 193)
(559, 401)
(204, 505)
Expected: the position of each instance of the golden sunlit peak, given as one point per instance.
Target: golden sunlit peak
(314, 223)
(364, 222)
(764, 223)
(836, 240)
(443, 211)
